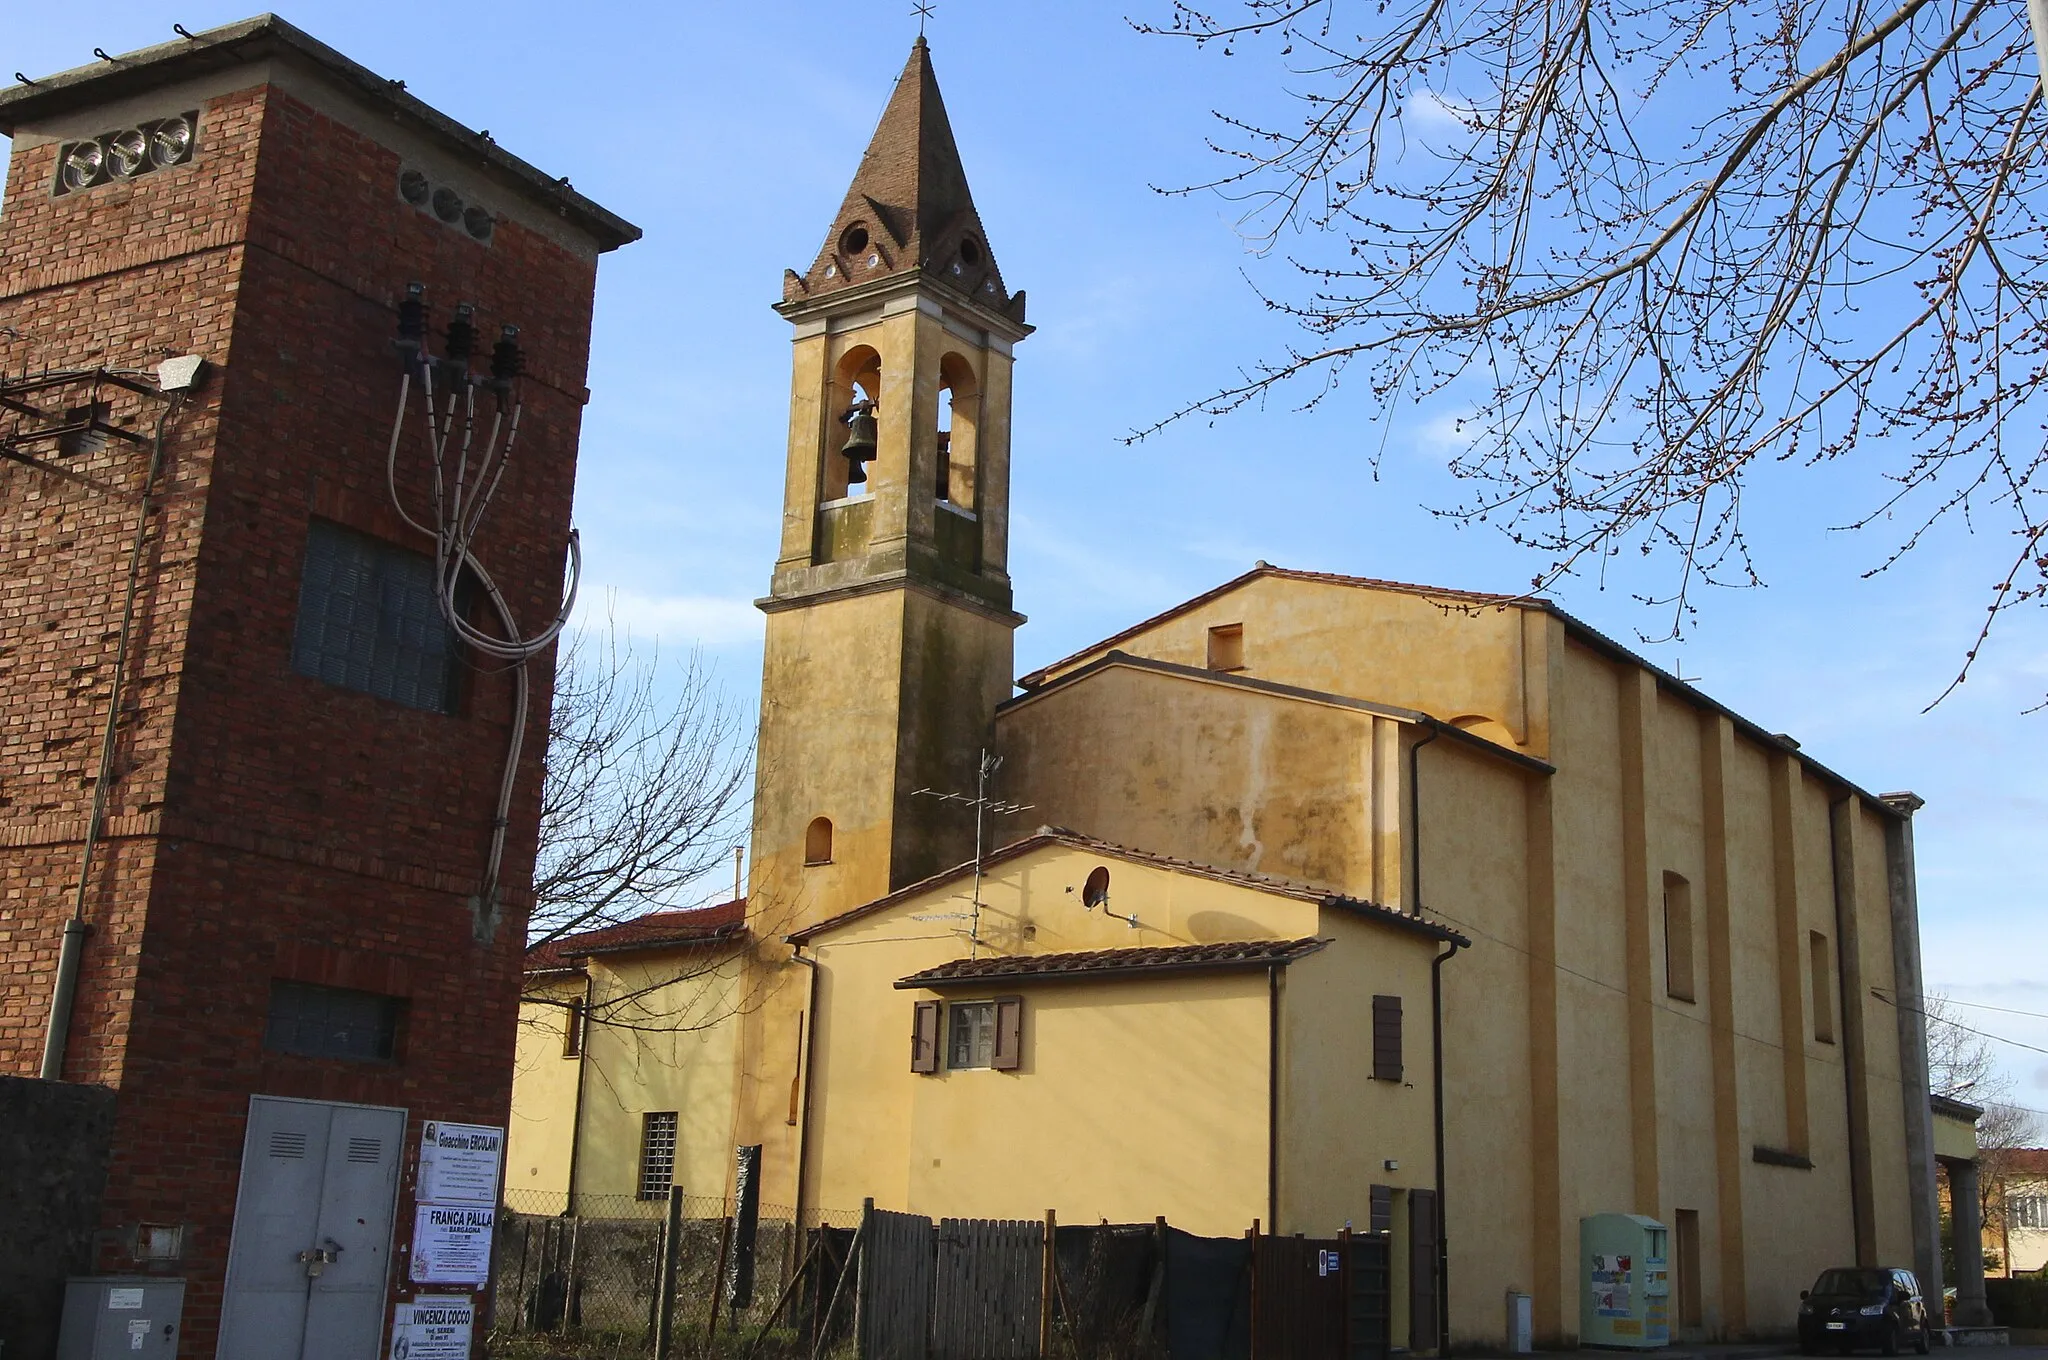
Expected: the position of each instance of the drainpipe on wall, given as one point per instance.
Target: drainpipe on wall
(803, 1121)
(1273, 1099)
(1436, 1040)
(71, 951)
(582, 1060)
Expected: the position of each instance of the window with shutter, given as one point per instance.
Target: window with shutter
(1009, 1054)
(924, 1037)
(1386, 1038)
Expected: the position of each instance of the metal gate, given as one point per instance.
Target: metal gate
(312, 1239)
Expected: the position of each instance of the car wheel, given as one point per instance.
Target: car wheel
(1891, 1339)
(1922, 1342)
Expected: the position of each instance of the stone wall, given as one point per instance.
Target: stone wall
(53, 1165)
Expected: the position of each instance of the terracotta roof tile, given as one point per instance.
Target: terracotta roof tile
(1181, 958)
(655, 930)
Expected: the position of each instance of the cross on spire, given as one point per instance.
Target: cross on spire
(923, 11)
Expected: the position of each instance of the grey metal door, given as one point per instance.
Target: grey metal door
(312, 1242)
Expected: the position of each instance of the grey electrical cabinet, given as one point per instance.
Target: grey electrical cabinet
(120, 1317)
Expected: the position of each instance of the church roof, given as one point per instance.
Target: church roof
(908, 210)
(1059, 835)
(1092, 963)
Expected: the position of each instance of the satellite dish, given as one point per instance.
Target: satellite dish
(1096, 891)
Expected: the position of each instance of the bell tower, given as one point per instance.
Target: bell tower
(889, 612)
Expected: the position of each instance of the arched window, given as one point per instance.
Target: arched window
(857, 377)
(959, 404)
(818, 841)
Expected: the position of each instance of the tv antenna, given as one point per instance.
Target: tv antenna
(985, 806)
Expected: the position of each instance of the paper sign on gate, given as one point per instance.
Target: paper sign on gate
(459, 1163)
(433, 1328)
(451, 1244)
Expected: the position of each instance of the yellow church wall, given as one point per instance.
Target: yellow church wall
(1892, 1215)
(1474, 849)
(1115, 1072)
(1338, 1126)
(1436, 653)
(541, 1132)
(674, 1046)
(1214, 773)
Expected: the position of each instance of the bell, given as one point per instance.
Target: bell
(859, 448)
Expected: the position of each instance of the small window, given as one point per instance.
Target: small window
(1386, 1038)
(1226, 647)
(572, 1029)
(332, 1022)
(1678, 971)
(818, 841)
(1823, 991)
(370, 620)
(971, 1034)
(657, 1153)
(2027, 1211)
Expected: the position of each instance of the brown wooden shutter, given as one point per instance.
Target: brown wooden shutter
(924, 1037)
(1009, 1034)
(1382, 1208)
(1386, 1038)
(1422, 1268)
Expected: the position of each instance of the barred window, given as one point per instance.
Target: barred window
(332, 1022)
(369, 621)
(2027, 1211)
(657, 1153)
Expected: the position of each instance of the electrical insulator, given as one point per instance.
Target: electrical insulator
(461, 336)
(412, 318)
(507, 361)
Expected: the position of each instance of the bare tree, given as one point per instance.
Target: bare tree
(644, 787)
(1653, 245)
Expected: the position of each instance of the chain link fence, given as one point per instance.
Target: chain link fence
(585, 1284)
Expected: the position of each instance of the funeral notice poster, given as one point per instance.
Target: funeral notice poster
(451, 1244)
(459, 1163)
(433, 1328)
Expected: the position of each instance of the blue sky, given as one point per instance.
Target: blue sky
(729, 132)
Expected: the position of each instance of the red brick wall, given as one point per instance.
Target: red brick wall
(263, 825)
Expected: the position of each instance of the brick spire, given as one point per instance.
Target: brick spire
(909, 208)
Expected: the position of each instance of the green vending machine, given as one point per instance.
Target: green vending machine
(1625, 1295)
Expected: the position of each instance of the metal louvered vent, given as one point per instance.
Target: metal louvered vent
(369, 1151)
(283, 1144)
(446, 204)
(126, 153)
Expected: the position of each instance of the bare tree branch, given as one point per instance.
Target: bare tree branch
(1656, 247)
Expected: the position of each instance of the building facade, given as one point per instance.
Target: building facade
(266, 825)
(1678, 973)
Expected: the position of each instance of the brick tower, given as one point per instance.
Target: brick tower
(280, 845)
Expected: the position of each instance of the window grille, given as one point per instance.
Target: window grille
(657, 1153)
(332, 1022)
(369, 621)
(972, 1034)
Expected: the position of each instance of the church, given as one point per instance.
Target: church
(1315, 900)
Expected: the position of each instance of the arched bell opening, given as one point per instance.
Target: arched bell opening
(959, 408)
(854, 406)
